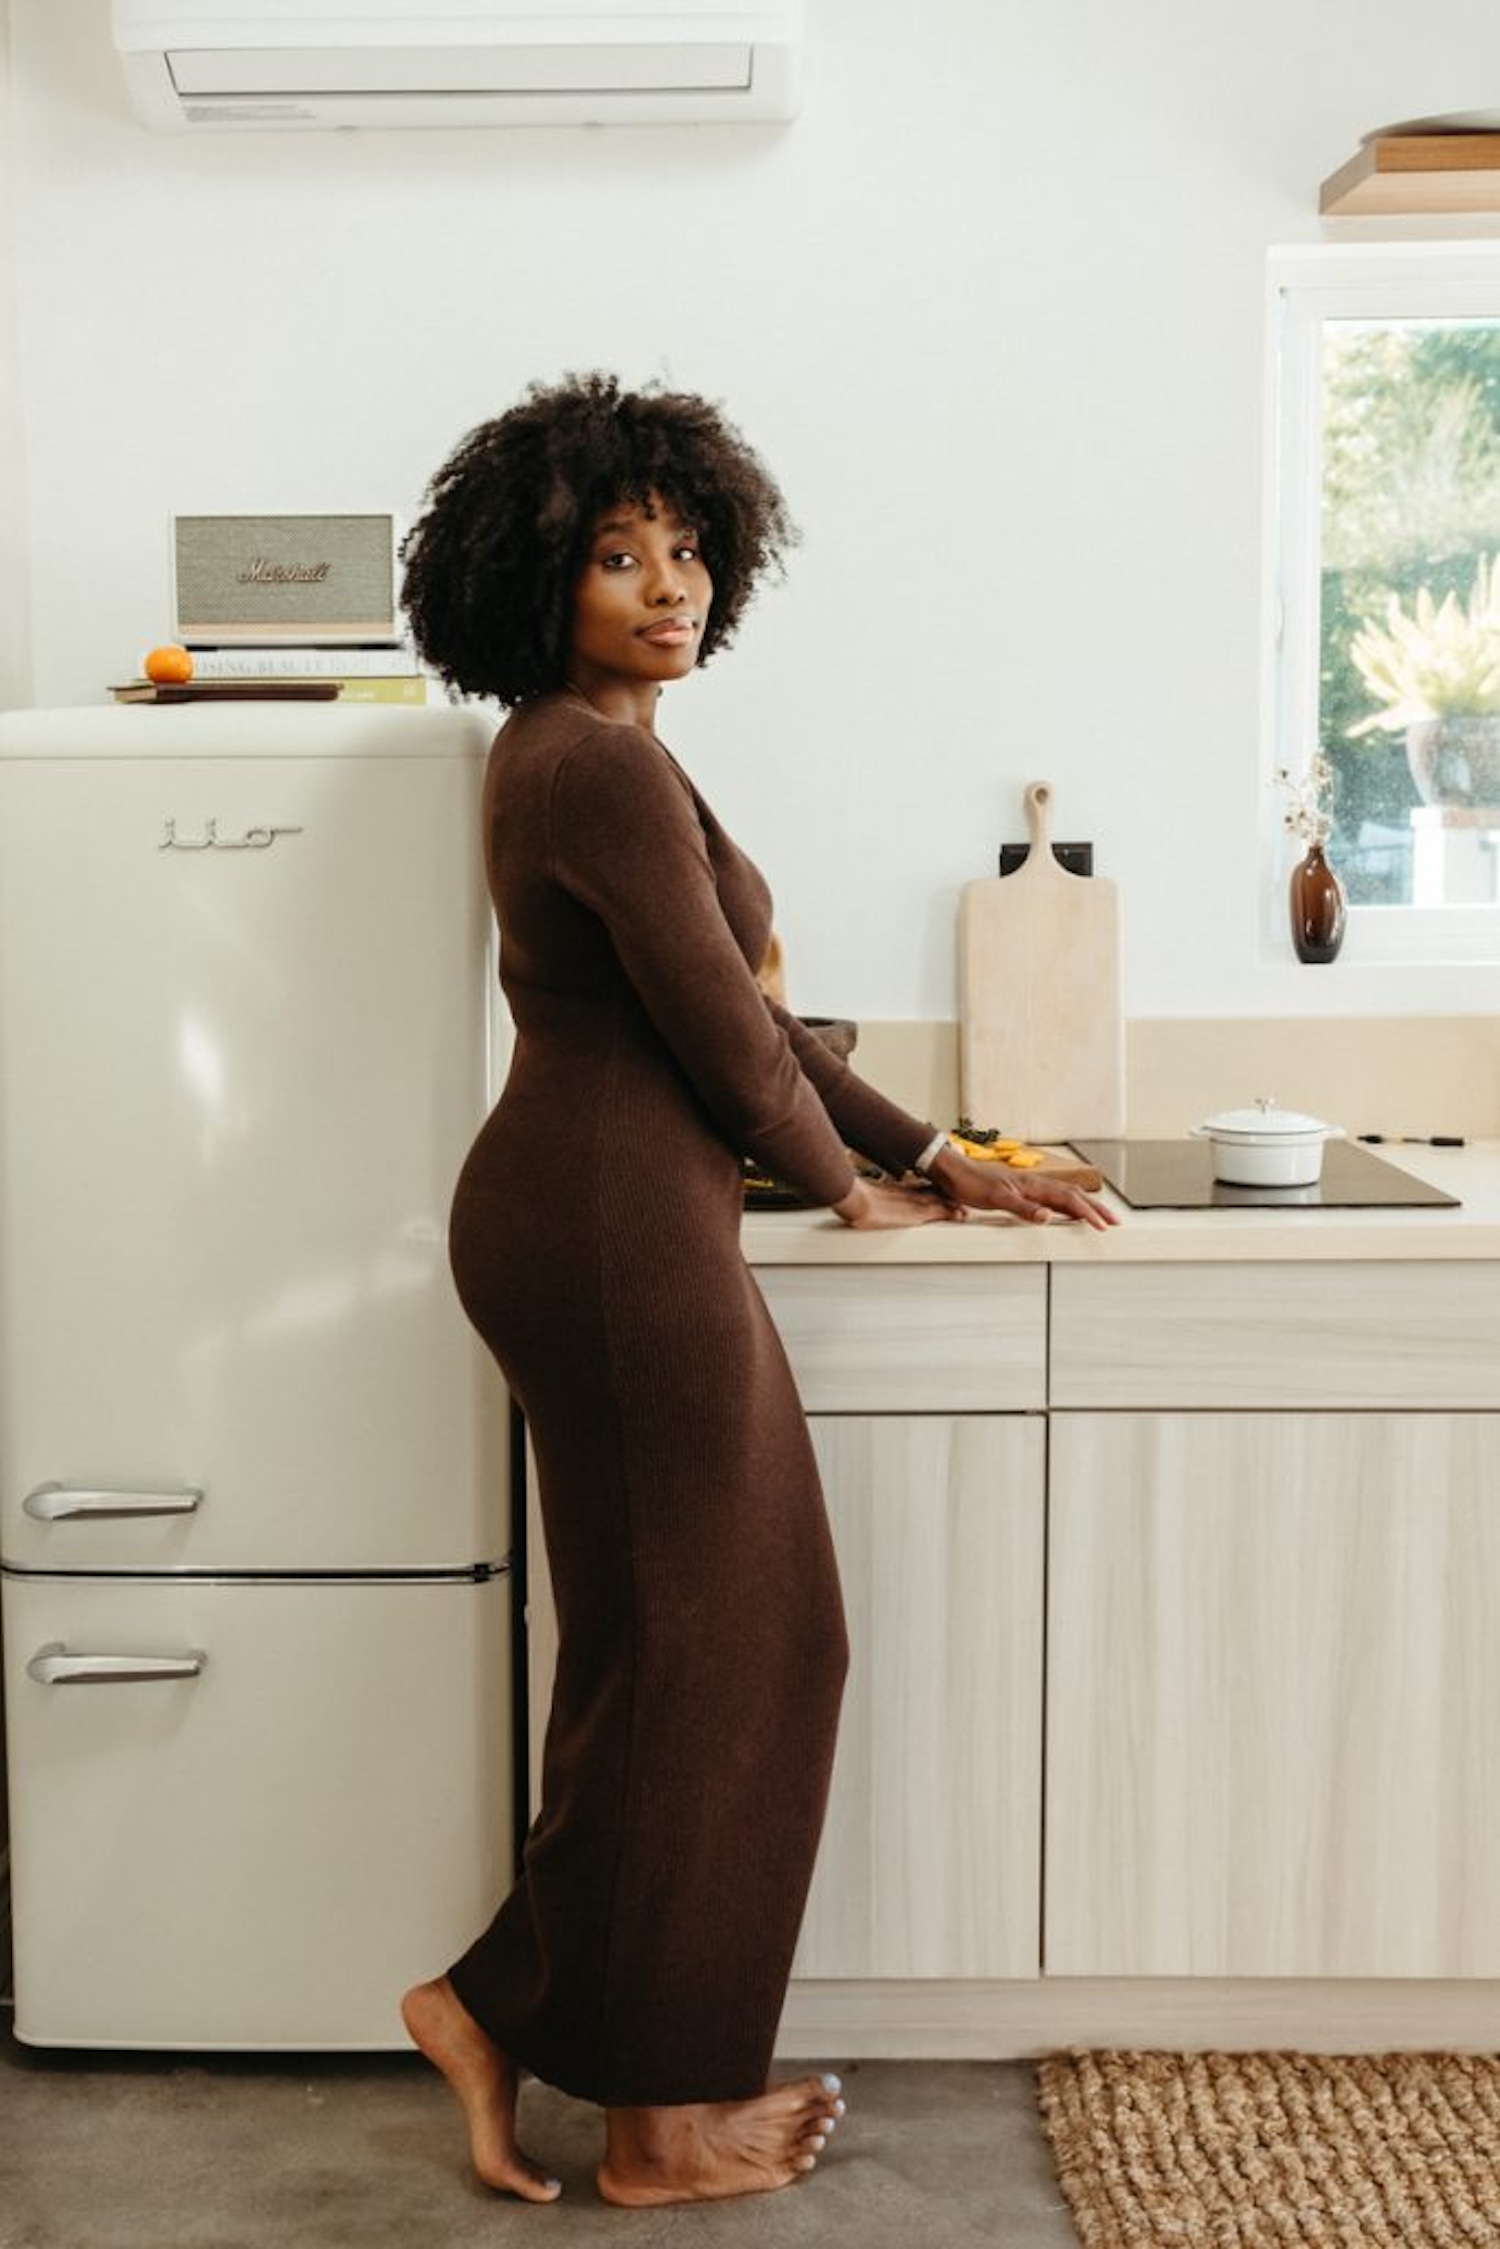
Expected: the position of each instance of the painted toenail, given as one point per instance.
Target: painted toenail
(553, 2186)
(817, 2143)
(832, 2084)
(827, 2123)
(807, 2163)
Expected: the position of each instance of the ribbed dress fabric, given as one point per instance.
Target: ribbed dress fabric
(643, 1954)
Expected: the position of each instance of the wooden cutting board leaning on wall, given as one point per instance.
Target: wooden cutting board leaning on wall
(1041, 1037)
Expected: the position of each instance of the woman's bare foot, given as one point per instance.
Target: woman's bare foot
(712, 2149)
(484, 2080)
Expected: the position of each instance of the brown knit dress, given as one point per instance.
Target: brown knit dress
(643, 1955)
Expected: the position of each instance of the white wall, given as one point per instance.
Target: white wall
(992, 307)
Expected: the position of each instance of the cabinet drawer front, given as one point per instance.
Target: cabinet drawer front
(926, 1339)
(1277, 1335)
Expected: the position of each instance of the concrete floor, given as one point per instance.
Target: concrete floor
(118, 2151)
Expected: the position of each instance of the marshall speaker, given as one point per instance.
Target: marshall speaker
(284, 579)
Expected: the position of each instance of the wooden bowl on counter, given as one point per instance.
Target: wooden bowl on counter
(838, 1034)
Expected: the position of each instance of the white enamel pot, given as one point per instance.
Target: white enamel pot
(1264, 1146)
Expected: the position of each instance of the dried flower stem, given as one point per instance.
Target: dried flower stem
(1308, 814)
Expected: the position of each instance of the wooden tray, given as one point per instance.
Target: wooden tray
(228, 691)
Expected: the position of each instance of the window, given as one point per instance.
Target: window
(1387, 490)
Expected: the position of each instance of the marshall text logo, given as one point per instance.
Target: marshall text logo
(260, 572)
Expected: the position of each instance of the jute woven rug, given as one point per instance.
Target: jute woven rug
(1251, 2151)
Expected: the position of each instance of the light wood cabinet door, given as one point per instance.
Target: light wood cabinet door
(1273, 1695)
(930, 1863)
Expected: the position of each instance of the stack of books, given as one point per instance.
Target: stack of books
(362, 674)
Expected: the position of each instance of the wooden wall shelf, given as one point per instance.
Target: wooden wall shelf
(1416, 172)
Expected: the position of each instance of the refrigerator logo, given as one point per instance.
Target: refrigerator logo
(253, 839)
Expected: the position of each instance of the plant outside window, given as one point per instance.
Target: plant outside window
(1409, 689)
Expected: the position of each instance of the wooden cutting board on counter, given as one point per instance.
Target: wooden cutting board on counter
(1057, 1163)
(1041, 1037)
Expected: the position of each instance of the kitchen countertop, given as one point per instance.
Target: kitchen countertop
(816, 1237)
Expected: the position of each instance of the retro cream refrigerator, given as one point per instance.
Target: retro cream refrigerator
(253, 1513)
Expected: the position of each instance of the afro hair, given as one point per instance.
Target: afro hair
(492, 562)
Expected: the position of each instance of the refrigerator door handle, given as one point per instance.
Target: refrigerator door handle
(56, 1503)
(54, 1666)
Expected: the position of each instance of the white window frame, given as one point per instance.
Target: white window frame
(1374, 281)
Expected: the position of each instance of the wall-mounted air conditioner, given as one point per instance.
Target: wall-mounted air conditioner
(322, 63)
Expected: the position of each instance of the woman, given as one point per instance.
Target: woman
(576, 555)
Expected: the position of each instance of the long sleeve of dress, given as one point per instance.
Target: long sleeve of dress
(865, 1119)
(627, 843)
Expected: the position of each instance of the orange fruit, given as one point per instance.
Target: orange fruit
(169, 666)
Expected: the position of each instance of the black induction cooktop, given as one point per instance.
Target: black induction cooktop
(1179, 1175)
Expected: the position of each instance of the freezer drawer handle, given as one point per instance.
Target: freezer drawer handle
(55, 1503)
(53, 1666)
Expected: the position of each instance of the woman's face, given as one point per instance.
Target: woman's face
(641, 600)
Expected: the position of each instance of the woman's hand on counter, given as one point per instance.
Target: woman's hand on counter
(1032, 1195)
(879, 1202)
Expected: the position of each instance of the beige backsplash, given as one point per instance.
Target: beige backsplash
(1391, 1074)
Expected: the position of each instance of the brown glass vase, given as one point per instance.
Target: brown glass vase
(1317, 905)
